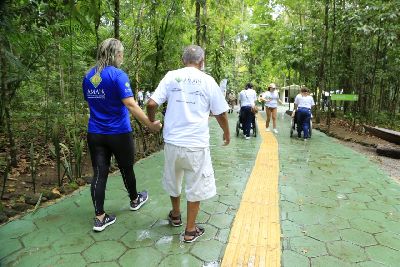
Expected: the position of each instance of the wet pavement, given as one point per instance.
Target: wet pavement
(61, 234)
(337, 208)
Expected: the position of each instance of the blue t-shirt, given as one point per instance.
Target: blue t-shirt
(104, 94)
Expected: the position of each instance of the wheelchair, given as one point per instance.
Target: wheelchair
(294, 124)
(239, 125)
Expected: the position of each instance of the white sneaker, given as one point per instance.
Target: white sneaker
(275, 131)
(267, 130)
(247, 137)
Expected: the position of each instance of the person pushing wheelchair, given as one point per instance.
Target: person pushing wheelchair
(302, 106)
(247, 101)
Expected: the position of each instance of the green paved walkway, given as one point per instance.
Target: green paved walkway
(61, 235)
(337, 209)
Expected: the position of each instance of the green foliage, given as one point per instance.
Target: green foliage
(78, 146)
(48, 46)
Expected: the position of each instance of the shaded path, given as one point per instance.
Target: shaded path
(61, 234)
(336, 208)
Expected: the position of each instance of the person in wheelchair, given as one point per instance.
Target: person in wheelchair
(247, 102)
(302, 112)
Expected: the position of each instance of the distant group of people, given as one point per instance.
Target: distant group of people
(190, 95)
(269, 101)
(248, 108)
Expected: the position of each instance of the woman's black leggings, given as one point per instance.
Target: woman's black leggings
(101, 147)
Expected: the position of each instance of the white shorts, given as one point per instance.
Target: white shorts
(193, 163)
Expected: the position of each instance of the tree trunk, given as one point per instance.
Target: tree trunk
(160, 41)
(46, 99)
(198, 24)
(395, 107)
(10, 136)
(321, 69)
(97, 20)
(116, 19)
(204, 26)
(347, 87)
(137, 48)
(61, 73)
(2, 87)
(381, 83)
(372, 94)
(328, 118)
(6, 104)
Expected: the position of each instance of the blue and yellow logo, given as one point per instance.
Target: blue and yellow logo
(96, 80)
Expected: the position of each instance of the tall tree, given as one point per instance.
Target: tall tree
(116, 19)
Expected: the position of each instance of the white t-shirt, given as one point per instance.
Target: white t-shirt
(273, 96)
(191, 95)
(140, 95)
(304, 101)
(147, 96)
(247, 97)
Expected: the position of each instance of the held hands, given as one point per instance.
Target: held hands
(155, 126)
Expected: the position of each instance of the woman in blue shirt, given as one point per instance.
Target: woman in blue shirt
(108, 92)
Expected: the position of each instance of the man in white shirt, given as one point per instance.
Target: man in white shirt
(247, 101)
(191, 95)
(302, 106)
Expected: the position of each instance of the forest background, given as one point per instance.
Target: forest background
(47, 46)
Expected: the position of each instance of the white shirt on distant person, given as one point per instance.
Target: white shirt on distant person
(304, 101)
(273, 96)
(147, 96)
(191, 95)
(247, 97)
(140, 95)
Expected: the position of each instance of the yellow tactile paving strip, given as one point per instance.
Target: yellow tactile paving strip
(255, 235)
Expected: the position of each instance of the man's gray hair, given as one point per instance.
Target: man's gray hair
(193, 54)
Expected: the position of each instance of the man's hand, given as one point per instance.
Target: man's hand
(138, 113)
(227, 139)
(222, 120)
(155, 126)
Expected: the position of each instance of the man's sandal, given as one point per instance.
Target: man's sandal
(193, 234)
(174, 221)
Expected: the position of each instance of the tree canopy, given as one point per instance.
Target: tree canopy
(327, 45)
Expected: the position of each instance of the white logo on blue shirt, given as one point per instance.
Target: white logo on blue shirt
(96, 93)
